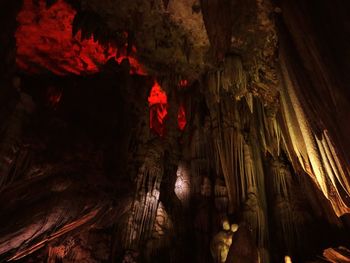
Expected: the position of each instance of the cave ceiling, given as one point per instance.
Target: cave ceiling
(160, 38)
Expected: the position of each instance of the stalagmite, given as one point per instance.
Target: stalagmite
(222, 241)
(183, 184)
(146, 201)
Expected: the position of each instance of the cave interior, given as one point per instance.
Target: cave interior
(175, 131)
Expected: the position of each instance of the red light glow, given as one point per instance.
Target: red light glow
(45, 42)
(157, 95)
(183, 83)
(158, 103)
(181, 118)
(54, 96)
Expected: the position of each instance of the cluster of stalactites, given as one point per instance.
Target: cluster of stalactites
(230, 79)
(287, 129)
(315, 154)
(231, 107)
(245, 132)
(236, 146)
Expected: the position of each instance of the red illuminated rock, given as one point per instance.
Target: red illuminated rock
(158, 103)
(181, 118)
(45, 43)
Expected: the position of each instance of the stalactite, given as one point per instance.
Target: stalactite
(221, 196)
(214, 86)
(237, 147)
(226, 86)
(233, 77)
(314, 153)
(255, 206)
(340, 170)
(269, 130)
(323, 88)
(311, 148)
(228, 144)
(284, 213)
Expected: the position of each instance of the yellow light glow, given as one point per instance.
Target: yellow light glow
(287, 259)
